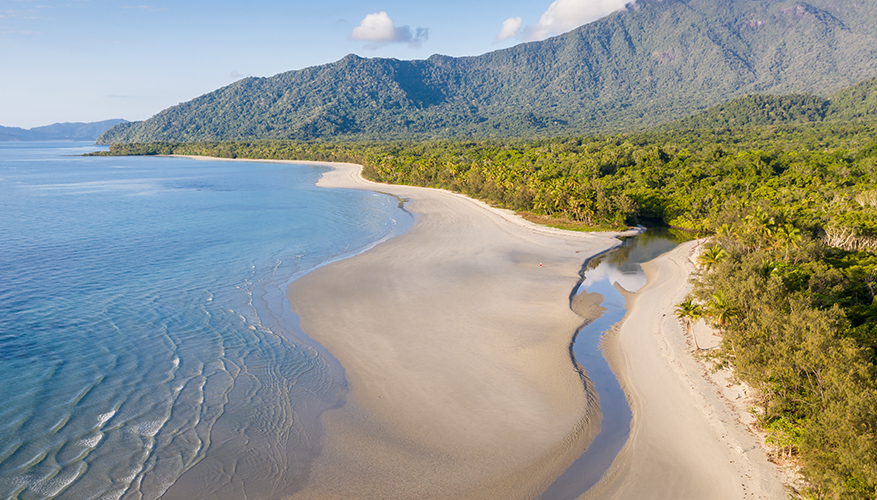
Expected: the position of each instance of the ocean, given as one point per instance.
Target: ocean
(146, 343)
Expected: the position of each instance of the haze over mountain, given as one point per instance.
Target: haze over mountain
(59, 131)
(651, 63)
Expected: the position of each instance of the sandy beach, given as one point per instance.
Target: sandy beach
(688, 437)
(455, 340)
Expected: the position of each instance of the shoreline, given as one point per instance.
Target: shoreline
(687, 439)
(471, 423)
(464, 386)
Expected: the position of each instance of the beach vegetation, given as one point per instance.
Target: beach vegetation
(710, 257)
(788, 277)
(689, 312)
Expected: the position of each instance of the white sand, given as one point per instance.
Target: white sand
(687, 440)
(455, 340)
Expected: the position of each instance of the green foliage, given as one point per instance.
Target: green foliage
(758, 110)
(689, 312)
(790, 278)
(648, 64)
(804, 333)
(777, 187)
(858, 102)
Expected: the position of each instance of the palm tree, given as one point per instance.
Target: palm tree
(767, 269)
(689, 312)
(721, 309)
(711, 256)
(789, 236)
(760, 225)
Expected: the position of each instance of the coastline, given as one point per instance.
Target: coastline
(455, 340)
(688, 439)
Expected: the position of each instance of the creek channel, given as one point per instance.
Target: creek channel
(620, 266)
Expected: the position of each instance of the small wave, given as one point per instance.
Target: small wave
(103, 418)
(149, 428)
(90, 442)
(112, 495)
(49, 486)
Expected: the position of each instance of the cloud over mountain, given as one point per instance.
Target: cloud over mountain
(510, 28)
(561, 16)
(379, 29)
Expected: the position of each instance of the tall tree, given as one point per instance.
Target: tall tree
(689, 312)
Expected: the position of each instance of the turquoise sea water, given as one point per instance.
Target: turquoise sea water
(146, 346)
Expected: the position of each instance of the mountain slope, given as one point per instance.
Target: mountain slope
(648, 64)
(858, 102)
(59, 131)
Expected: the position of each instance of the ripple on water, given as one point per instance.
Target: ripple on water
(144, 339)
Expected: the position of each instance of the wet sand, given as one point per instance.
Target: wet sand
(455, 340)
(687, 439)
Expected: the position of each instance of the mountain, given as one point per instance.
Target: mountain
(858, 102)
(655, 61)
(59, 131)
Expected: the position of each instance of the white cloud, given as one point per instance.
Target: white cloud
(564, 15)
(375, 28)
(510, 28)
(379, 29)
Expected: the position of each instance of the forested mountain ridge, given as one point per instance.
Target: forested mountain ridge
(650, 63)
(59, 131)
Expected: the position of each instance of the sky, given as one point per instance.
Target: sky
(93, 60)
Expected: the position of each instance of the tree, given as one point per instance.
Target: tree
(689, 312)
(711, 256)
(720, 309)
(788, 236)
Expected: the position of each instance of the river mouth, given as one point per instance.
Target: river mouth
(602, 276)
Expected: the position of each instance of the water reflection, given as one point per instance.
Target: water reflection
(621, 266)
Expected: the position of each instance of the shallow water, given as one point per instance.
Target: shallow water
(146, 345)
(622, 266)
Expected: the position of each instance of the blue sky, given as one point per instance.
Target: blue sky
(91, 60)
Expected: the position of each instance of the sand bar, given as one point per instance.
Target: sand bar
(455, 340)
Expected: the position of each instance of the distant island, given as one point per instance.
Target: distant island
(60, 131)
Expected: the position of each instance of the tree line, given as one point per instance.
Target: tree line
(789, 277)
